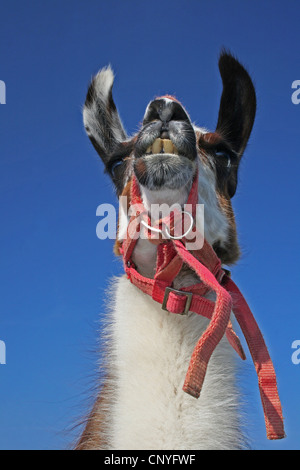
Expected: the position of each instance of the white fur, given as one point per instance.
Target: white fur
(151, 350)
(104, 81)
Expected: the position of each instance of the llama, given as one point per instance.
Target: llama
(141, 404)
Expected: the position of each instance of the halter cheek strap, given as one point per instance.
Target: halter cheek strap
(172, 254)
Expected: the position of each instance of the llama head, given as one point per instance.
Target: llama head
(167, 151)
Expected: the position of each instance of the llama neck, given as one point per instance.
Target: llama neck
(151, 350)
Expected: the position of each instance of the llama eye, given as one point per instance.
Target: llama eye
(224, 157)
(114, 167)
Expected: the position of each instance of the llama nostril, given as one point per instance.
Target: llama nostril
(164, 133)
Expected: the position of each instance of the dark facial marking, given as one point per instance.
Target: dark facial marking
(223, 160)
(117, 164)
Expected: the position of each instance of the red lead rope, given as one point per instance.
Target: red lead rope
(262, 362)
(205, 263)
(215, 331)
(216, 328)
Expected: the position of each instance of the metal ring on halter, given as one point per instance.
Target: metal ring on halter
(187, 232)
(153, 229)
(158, 230)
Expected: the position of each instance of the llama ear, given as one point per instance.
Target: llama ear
(238, 103)
(100, 116)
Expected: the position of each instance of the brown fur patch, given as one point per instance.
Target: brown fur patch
(231, 252)
(140, 168)
(95, 435)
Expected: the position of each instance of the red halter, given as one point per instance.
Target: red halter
(171, 255)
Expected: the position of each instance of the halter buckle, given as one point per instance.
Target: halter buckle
(189, 297)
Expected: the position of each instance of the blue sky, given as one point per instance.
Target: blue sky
(54, 270)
